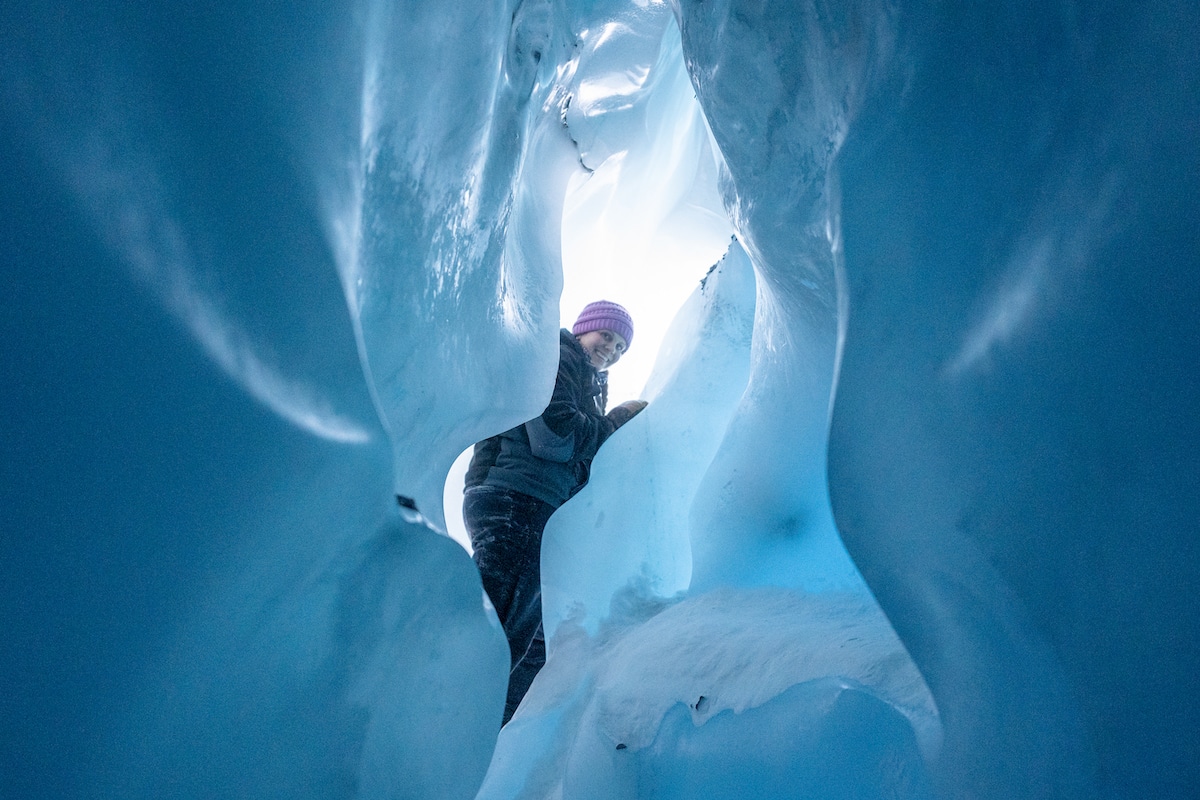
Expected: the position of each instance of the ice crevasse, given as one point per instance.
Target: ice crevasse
(911, 512)
(708, 489)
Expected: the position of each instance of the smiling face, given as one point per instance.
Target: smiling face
(603, 347)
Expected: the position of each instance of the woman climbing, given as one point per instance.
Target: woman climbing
(517, 479)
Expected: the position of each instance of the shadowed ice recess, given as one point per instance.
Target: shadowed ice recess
(911, 513)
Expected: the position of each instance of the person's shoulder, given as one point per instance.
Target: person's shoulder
(573, 359)
(569, 346)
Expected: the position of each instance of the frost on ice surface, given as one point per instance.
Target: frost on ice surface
(748, 679)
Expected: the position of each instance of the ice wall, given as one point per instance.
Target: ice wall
(645, 220)
(631, 525)
(453, 268)
(654, 687)
(206, 588)
(715, 498)
(780, 87)
(1010, 462)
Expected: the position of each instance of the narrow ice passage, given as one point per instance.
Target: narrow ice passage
(707, 518)
(270, 265)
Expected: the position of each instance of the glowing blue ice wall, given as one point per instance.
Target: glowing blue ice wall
(206, 587)
(705, 624)
(1013, 460)
(203, 589)
(453, 263)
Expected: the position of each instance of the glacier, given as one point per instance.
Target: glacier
(912, 512)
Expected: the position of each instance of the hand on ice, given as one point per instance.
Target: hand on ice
(626, 411)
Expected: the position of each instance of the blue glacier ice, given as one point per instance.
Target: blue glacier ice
(912, 512)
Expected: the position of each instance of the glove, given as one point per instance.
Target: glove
(626, 411)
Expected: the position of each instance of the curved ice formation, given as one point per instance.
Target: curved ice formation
(645, 221)
(455, 196)
(978, 225)
(738, 688)
(742, 356)
(118, 169)
(703, 367)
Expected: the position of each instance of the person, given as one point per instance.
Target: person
(518, 478)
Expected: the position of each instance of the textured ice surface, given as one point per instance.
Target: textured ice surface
(266, 266)
(630, 524)
(691, 496)
(734, 690)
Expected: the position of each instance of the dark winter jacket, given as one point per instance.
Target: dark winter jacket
(550, 456)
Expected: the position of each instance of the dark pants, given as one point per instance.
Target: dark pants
(506, 532)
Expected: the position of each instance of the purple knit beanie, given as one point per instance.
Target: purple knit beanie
(603, 315)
